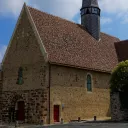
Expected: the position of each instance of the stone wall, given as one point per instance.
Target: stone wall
(1, 78)
(34, 77)
(24, 51)
(34, 92)
(35, 104)
(117, 112)
(68, 89)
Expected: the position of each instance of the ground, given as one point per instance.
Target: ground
(104, 122)
(79, 125)
(92, 125)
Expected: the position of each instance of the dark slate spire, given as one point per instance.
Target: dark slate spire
(88, 3)
(90, 17)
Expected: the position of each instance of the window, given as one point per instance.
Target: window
(20, 76)
(89, 83)
(82, 12)
(94, 10)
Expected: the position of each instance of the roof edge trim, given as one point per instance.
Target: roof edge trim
(42, 48)
(78, 67)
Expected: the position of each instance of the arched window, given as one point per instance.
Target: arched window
(89, 83)
(20, 76)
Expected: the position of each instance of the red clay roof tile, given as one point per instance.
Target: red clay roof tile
(68, 43)
(122, 50)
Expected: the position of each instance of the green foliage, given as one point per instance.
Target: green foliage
(119, 77)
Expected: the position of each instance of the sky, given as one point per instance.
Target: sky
(114, 16)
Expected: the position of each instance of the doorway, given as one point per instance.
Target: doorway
(56, 113)
(20, 111)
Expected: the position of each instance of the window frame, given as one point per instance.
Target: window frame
(91, 83)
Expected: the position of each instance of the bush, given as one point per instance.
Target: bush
(119, 77)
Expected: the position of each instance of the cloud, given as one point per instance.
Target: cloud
(11, 7)
(117, 7)
(105, 20)
(113, 6)
(62, 8)
(2, 51)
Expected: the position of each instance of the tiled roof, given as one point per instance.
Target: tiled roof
(68, 43)
(122, 50)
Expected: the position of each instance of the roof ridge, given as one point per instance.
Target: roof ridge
(80, 48)
(61, 19)
(66, 20)
(122, 41)
(53, 15)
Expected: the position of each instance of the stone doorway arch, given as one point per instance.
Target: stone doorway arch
(17, 109)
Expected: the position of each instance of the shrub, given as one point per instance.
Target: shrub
(119, 77)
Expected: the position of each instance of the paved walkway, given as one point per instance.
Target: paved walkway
(91, 125)
(77, 125)
(85, 124)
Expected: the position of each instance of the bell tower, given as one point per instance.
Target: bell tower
(90, 17)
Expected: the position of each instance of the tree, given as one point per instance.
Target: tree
(119, 77)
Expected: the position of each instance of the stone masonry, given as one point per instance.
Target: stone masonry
(117, 112)
(1, 80)
(25, 52)
(35, 104)
(68, 89)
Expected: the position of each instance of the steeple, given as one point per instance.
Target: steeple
(90, 17)
(88, 3)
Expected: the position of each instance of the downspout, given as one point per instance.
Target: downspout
(49, 88)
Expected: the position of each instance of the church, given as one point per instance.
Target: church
(54, 69)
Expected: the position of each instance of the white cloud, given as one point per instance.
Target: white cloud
(11, 7)
(62, 8)
(117, 7)
(105, 20)
(2, 51)
(113, 6)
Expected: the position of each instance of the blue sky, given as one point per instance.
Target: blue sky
(114, 17)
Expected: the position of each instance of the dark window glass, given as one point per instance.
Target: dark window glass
(82, 11)
(89, 83)
(20, 76)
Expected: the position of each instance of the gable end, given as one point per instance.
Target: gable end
(42, 48)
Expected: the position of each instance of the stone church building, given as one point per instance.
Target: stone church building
(55, 69)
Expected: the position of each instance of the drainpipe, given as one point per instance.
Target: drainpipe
(49, 88)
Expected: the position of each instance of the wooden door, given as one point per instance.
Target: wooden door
(21, 112)
(56, 113)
